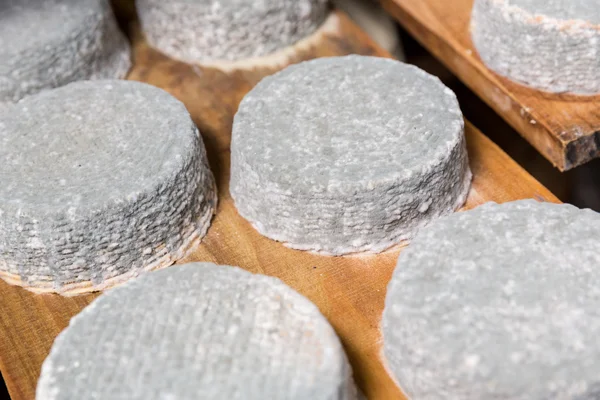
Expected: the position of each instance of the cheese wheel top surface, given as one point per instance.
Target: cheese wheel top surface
(91, 142)
(500, 302)
(341, 122)
(586, 10)
(198, 331)
(26, 24)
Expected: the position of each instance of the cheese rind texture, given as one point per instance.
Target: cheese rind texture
(100, 181)
(198, 331)
(198, 31)
(47, 44)
(348, 154)
(552, 45)
(499, 302)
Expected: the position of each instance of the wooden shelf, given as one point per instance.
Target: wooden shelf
(564, 128)
(349, 291)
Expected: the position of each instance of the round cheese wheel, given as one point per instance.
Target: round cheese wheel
(209, 31)
(348, 154)
(100, 180)
(198, 331)
(552, 45)
(49, 43)
(501, 302)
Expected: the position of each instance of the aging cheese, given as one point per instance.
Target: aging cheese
(501, 302)
(100, 180)
(348, 154)
(552, 45)
(48, 43)
(198, 331)
(212, 31)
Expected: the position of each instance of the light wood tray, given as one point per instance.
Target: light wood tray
(350, 291)
(564, 128)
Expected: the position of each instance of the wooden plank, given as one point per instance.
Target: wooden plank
(350, 291)
(564, 128)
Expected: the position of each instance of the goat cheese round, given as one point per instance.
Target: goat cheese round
(552, 45)
(48, 43)
(208, 31)
(100, 180)
(500, 302)
(348, 154)
(198, 331)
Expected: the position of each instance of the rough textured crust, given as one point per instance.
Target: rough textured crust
(211, 31)
(348, 154)
(163, 259)
(499, 302)
(97, 198)
(282, 57)
(542, 51)
(58, 42)
(198, 331)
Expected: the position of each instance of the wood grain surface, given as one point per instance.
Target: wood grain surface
(564, 128)
(349, 291)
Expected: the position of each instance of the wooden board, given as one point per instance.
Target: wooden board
(564, 128)
(349, 290)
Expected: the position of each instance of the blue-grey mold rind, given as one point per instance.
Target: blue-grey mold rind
(47, 44)
(499, 302)
(100, 181)
(208, 31)
(348, 154)
(198, 331)
(552, 45)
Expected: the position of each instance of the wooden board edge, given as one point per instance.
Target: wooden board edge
(582, 150)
